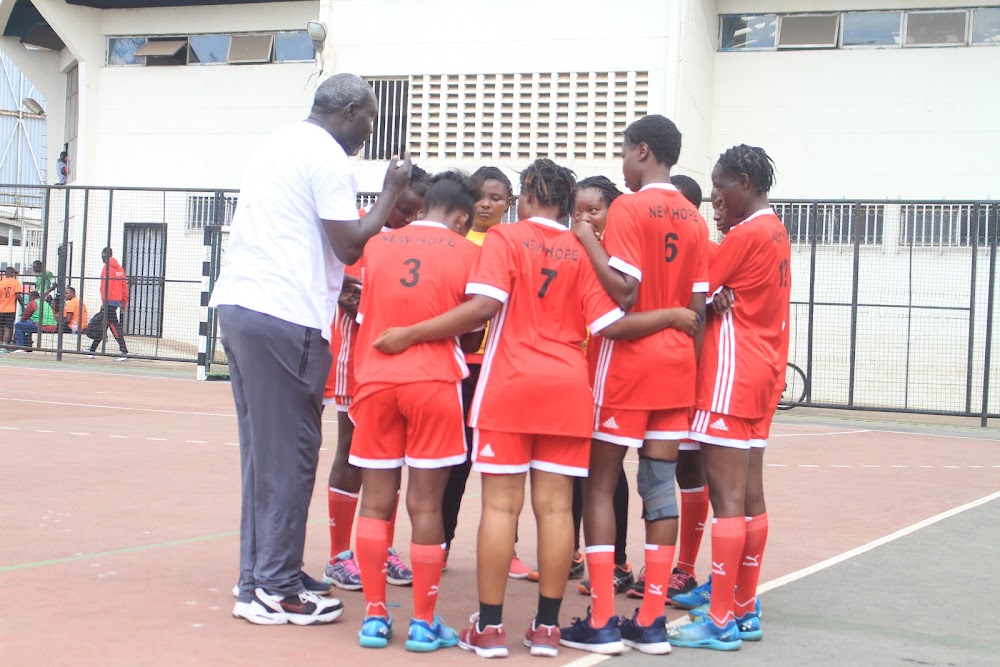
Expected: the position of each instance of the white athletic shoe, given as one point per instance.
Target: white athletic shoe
(91, 356)
(121, 358)
(303, 609)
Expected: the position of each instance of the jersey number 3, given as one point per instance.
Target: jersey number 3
(414, 278)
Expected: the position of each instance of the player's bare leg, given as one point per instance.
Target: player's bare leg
(599, 527)
(552, 502)
(503, 498)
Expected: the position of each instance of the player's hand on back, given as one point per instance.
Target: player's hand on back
(394, 340)
(397, 176)
(723, 301)
(685, 319)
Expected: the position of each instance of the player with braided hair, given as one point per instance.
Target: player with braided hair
(344, 481)
(739, 378)
(532, 410)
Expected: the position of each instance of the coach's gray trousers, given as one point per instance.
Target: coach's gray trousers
(277, 371)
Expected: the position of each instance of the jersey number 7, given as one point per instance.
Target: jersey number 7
(550, 275)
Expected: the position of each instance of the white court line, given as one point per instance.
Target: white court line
(794, 435)
(847, 555)
(119, 407)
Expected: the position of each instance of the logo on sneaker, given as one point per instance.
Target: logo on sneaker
(751, 561)
(295, 608)
(610, 423)
(656, 589)
(487, 451)
(718, 569)
(720, 424)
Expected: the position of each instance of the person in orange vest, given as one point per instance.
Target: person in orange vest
(74, 315)
(114, 295)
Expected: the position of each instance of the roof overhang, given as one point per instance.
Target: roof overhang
(143, 4)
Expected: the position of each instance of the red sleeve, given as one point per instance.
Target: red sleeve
(598, 307)
(493, 271)
(28, 311)
(622, 240)
(733, 251)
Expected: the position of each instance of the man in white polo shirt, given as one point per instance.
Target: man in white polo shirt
(295, 227)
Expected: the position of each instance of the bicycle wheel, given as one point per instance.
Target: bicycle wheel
(795, 388)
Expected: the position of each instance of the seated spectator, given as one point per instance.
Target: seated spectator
(74, 313)
(33, 311)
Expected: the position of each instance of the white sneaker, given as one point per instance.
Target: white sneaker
(121, 358)
(236, 591)
(303, 609)
(91, 356)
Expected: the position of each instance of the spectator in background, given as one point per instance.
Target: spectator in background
(44, 282)
(10, 298)
(36, 316)
(62, 168)
(74, 313)
(114, 295)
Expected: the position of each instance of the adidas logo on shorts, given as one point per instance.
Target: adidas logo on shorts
(720, 425)
(610, 423)
(487, 451)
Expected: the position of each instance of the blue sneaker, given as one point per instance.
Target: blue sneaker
(695, 597)
(649, 639)
(749, 625)
(343, 572)
(313, 586)
(581, 635)
(424, 638)
(702, 611)
(375, 632)
(704, 633)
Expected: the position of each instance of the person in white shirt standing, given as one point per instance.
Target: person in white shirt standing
(295, 227)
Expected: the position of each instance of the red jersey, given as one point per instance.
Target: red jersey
(411, 274)
(341, 383)
(534, 375)
(656, 236)
(745, 350)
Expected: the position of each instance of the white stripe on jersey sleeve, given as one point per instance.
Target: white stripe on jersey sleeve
(626, 268)
(700, 287)
(487, 290)
(605, 320)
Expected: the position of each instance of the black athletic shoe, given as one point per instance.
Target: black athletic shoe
(313, 586)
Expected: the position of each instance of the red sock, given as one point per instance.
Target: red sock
(342, 506)
(753, 555)
(392, 520)
(427, 560)
(659, 558)
(728, 535)
(373, 541)
(694, 513)
(601, 566)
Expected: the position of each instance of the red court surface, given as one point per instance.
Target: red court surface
(121, 500)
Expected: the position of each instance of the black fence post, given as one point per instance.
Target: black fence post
(992, 240)
(813, 210)
(854, 301)
(63, 278)
(976, 227)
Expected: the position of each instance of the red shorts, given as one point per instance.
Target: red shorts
(499, 453)
(728, 431)
(630, 428)
(419, 424)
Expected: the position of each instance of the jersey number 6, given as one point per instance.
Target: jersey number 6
(670, 246)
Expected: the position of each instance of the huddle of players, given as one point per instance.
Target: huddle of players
(598, 340)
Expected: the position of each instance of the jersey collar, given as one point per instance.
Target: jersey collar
(428, 223)
(658, 186)
(759, 214)
(548, 223)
